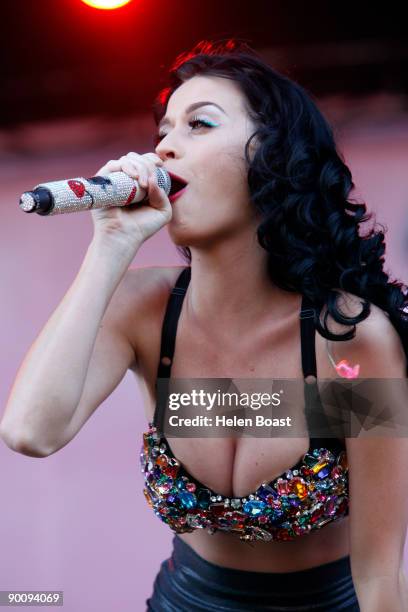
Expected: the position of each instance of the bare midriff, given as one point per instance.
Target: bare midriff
(316, 548)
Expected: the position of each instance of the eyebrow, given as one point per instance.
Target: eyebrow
(194, 106)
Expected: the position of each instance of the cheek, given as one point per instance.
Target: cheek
(224, 174)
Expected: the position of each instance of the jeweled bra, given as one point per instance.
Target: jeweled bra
(306, 497)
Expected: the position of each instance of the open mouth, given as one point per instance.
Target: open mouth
(177, 184)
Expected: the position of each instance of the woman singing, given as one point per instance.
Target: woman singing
(278, 283)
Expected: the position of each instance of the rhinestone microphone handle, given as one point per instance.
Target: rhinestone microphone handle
(73, 195)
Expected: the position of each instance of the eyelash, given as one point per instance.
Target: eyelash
(203, 122)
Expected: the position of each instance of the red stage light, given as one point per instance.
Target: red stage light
(106, 4)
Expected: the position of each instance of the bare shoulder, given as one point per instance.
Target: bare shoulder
(150, 282)
(350, 305)
(145, 292)
(377, 346)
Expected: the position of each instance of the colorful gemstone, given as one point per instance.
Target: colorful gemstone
(187, 500)
(336, 472)
(299, 529)
(203, 498)
(319, 466)
(324, 472)
(196, 521)
(145, 443)
(165, 486)
(265, 491)
(162, 460)
(316, 514)
(342, 460)
(283, 487)
(323, 485)
(330, 506)
(171, 470)
(322, 522)
(253, 507)
(299, 487)
(180, 483)
(261, 534)
(339, 488)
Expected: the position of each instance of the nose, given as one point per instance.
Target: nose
(168, 149)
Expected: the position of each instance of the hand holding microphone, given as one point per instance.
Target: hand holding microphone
(127, 197)
(139, 221)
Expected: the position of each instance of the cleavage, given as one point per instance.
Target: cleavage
(237, 467)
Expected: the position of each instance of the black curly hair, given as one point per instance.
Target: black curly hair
(300, 185)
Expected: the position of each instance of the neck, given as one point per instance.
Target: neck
(230, 288)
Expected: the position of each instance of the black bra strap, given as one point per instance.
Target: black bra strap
(168, 341)
(169, 328)
(307, 337)
(314, 410)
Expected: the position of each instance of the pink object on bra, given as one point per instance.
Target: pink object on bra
(344, 369)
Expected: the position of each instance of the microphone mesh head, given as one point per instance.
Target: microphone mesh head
(163, 179)
(27, 202)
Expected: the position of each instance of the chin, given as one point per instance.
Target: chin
(180, 235)
(184, 236)
(188, 231)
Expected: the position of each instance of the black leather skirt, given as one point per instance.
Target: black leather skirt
(188, 583)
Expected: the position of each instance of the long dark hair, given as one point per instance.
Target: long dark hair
(300, 185)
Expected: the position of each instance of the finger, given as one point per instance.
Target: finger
(150, 167)
(151, 160)
(111, 166)
(131, 169)
(148, 158)
(156, 159)
(136, 172)
(156, 195)
(139, 170)
(151, 171)
(134, 157)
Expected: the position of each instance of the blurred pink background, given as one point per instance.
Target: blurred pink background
(77, 521)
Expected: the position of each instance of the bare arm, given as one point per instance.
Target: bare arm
(378, 474)
(51, 379)
(76, 361)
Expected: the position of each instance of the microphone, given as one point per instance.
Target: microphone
(74, 195)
